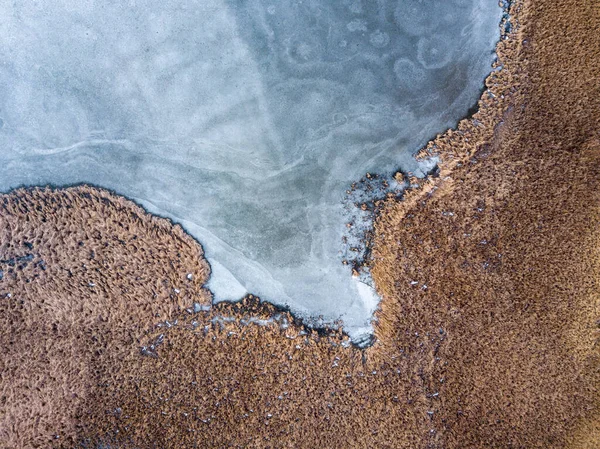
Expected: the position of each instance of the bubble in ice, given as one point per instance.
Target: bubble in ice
(379, 39)
(408, 74)
(434, 52)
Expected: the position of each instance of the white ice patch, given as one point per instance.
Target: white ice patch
(246, 122)
(222, 280)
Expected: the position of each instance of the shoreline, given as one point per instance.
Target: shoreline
(360, 265)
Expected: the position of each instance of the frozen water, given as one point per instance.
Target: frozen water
(245, 121)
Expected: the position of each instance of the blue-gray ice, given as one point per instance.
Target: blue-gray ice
(245, 121)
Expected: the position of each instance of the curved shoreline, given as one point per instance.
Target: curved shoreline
(251, 205)
(312, 321)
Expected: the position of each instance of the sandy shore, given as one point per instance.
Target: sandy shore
(487, 335)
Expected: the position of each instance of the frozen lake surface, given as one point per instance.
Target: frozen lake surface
(245, 121)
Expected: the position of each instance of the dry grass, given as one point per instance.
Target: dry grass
(84, 274)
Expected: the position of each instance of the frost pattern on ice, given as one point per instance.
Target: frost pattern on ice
(244, 121)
